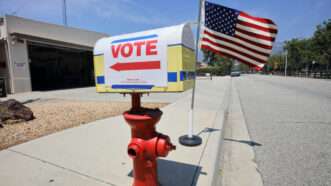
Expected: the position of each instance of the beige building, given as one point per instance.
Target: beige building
(36, 56)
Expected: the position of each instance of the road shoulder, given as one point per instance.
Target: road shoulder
(238, 158)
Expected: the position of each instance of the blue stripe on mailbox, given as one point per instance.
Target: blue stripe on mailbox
(132, 86)
(182, 75)
(134, 38)
(100, 79)
(172, 76)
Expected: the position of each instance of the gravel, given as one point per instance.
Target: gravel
(53, 115)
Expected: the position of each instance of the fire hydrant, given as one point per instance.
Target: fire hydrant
(146, 144)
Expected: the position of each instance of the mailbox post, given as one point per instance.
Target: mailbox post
(160, 60)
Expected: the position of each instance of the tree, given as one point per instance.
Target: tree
(275, 63)
(321, 42)
(209, 57)
(302, 52)
(213, 59)
(222, 64)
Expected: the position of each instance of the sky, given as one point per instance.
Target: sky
(295, 18)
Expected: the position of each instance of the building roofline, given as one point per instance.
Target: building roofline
(52, 24)
(47, 31)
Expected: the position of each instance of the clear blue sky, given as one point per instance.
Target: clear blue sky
(295, 18)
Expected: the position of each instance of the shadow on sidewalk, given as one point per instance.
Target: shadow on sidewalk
(30, 101)
(207, 130)
(172, 173)
(250, 143)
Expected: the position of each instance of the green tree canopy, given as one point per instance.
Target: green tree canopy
(321, 43)
(302, 52)
(222, 64)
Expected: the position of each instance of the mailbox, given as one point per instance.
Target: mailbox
(159, 60)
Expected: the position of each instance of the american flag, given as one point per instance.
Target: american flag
(238, 35)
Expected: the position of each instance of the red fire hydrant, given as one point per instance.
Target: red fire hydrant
(146, 144)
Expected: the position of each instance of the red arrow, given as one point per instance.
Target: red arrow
(139, 65)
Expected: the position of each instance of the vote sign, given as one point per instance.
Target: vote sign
(136, 61)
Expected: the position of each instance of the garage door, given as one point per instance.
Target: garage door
(54, 68)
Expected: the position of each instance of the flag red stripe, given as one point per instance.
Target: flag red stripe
(235, 43)
(271, 30)
(266, 38)
(245, 40)
(228, 55)
(262, 20)
(236, 51)
(253, 43)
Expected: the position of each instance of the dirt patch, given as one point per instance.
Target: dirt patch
(56, 115)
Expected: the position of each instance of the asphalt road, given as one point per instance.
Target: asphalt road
(291, 118)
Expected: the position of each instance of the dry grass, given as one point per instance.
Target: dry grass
(56, 115)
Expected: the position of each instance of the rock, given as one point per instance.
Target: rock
(14, 110)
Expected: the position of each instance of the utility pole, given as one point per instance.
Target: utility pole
(285, 63)
(312, 68)
(64, 13)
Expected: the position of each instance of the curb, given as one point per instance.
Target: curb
(212, 151)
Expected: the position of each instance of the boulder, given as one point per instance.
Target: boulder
(14, 110)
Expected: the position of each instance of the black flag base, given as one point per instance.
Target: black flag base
(190, 141)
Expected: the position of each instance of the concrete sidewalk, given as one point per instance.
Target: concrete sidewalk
(90, 94)
(95, 154)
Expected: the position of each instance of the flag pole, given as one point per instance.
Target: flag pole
(190, 139)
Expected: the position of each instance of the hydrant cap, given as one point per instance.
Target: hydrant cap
(134, 150)
(164, 146)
